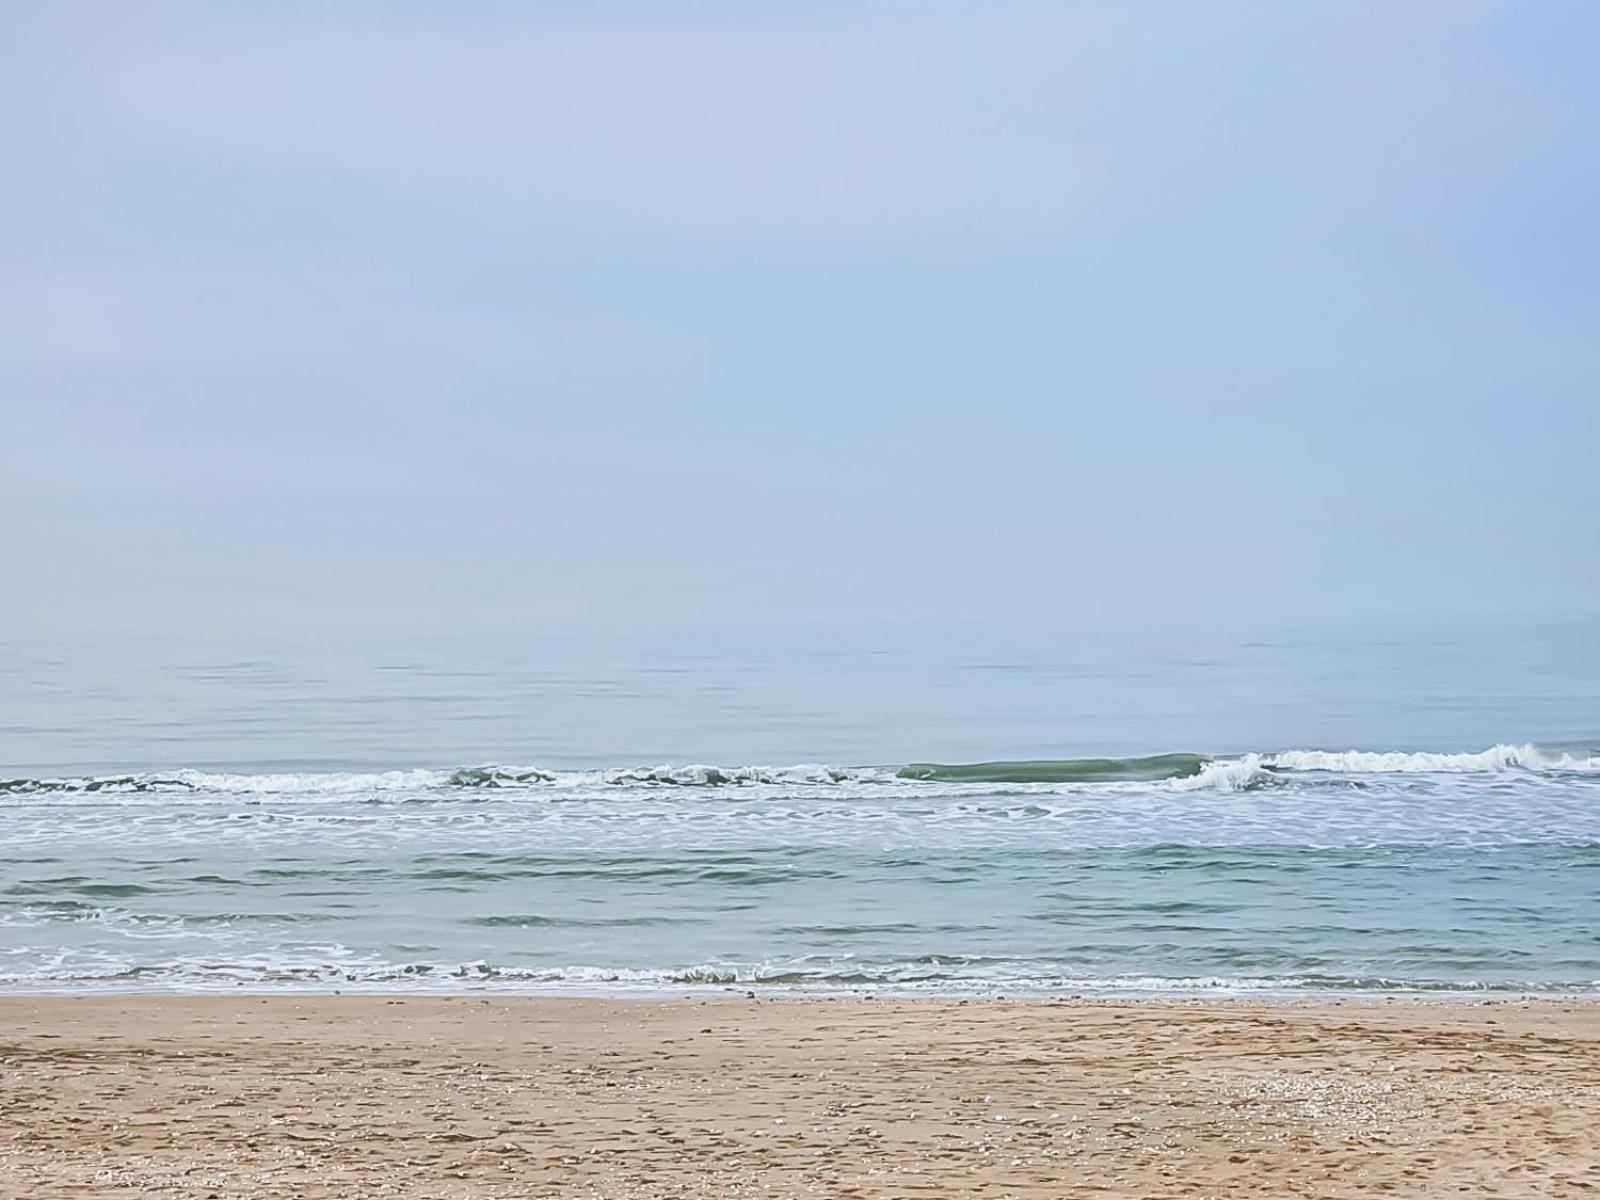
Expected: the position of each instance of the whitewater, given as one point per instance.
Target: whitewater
(1295, 870)
(1178, 770)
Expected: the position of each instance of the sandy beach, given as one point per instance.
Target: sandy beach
(340, 1096)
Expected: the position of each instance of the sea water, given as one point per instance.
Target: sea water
(1042, 809)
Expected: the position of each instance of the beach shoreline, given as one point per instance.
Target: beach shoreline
(323, 1096)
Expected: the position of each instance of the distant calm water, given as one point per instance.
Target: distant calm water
(1389, 808)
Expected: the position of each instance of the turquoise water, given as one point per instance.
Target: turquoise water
(949, 810)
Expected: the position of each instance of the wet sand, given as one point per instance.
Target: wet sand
(342, 1096)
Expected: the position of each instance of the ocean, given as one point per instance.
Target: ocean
(1035, 809)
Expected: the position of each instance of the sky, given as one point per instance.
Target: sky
(336, 317)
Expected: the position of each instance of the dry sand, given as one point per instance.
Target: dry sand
(369, 1096)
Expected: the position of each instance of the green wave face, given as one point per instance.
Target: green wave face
(1066, 770)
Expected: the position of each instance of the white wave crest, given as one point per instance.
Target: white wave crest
(336, 972)
(1501, 757)
(709, 775)
(1223, 775)
(319, 783)
(1252, 770)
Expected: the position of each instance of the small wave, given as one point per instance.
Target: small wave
(665, 775)
(1067, 770)
(1250, 771)
(334, 784)
(1226, 775)
(1180, 771)
(1500, 757)
(308, 783)
(950, 975)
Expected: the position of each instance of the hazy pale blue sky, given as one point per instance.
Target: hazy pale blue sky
(328, 316)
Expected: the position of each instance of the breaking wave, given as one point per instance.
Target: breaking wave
(944, 975)
(1180, 771)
